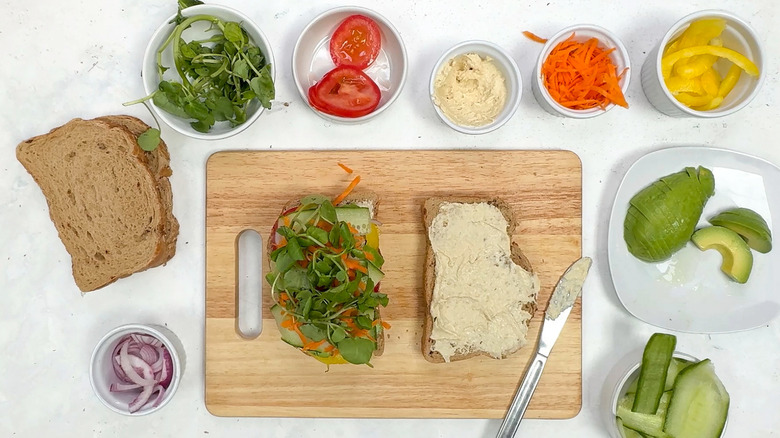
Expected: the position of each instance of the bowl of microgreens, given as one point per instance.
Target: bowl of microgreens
(208, 71)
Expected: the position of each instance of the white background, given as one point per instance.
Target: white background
(82, 58)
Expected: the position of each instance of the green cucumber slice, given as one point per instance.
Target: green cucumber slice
(699, 405)
(374, 273)
(645, 423)
(675, 367)
(288, 336)
(358, 217)
(627, 432)
(652, 375)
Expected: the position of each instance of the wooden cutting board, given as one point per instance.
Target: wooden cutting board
(266, 377)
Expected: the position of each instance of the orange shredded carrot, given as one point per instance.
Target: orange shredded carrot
(581, 75)
(293, 325)
(354, 264)
(533, 37)
(330, 348)
(346, 169)
(286, 221)
(346, 192)
(282, 243)
(313, 345)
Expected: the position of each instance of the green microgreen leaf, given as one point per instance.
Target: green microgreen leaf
(363, 322)
(338, 335)
(234, 33)
(356, 350)
(318, 234)
(294, 249)
(328, 212)
(284, 261)
(312, 332)
(149, 139)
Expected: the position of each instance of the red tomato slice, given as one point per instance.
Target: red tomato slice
(345, 92)
(355, 42)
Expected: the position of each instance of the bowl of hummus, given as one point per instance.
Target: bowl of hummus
(475, 87)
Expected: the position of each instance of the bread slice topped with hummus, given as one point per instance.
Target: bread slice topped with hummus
(480, 289)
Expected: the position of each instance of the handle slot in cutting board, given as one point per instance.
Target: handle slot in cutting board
(249, 284)
(248, 189)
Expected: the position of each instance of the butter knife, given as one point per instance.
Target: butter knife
(566, 292)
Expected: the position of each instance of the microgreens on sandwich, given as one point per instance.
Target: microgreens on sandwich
(322, 277)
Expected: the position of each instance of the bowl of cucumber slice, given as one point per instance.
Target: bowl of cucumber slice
(665, 393)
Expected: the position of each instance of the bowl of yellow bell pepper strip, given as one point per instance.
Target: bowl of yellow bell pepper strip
(709, 64)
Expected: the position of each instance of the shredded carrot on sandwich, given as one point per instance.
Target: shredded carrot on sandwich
(346, 169)
(533, 37)
(581, 75)
(346, 192)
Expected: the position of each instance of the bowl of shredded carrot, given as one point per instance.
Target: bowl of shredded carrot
(583, 71)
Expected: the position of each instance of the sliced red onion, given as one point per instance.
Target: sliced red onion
(141, 399)
(141, 361)
(166, 373)
(160, 395)
(128, 364)
(157, 366)
(118, 387)
(148, 354)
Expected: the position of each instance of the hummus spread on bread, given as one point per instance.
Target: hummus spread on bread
(479, 293)
(470, 90)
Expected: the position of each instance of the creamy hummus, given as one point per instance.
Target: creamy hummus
(470, 90)
(479, 292)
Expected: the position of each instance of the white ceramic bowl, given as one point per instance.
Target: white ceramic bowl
(582, 32)
(619, 379)
(101, 371)
(738, 36)
(151, 78)
(311, 59)
(505, 64)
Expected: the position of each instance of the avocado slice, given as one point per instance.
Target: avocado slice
(748, 224)
(737, 258)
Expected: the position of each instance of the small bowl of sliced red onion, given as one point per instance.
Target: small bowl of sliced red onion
(136, 368)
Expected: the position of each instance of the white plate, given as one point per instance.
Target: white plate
(689, 293)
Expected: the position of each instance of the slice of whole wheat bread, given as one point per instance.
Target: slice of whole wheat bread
(430, 210)
(158, 162)
(359, 196)
(102, 198)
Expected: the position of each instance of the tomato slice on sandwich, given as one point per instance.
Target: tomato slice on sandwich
(345, 92)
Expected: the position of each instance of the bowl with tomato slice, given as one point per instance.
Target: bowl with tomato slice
(349, 64)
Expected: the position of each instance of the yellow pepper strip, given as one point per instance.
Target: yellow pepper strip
(677, 84)
(729, 81)
(692, 100)
(726, 85)
(694, 66)
(673, 47)
(700, 32)
(668, 61)
(710, 81)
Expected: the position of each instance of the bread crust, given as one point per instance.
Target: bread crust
(353, 197)
(430, 210)
(158, 162)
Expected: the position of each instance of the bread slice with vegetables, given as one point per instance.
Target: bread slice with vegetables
(480, 289)
(326, 269)
(103, 198)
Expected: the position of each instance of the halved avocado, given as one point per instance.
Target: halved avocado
(748, 224)
(737, 258)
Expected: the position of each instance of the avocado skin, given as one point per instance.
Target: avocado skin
(662, 216)
(748, 224)
(737, 257)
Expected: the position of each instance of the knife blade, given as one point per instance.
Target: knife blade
(566, 292)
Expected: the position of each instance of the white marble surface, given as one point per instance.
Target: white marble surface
(82, 59)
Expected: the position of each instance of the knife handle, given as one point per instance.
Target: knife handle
(522, 397)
